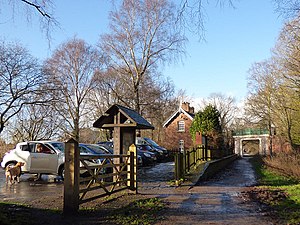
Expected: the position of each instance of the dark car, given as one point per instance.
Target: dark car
(158, 153)
(110, 147)
(107, 148)
(148, 157)
(153, 144)
(109, 144)
(94, 149)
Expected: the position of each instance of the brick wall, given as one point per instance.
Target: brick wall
(172, 136)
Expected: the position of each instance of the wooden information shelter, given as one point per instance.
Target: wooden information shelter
(124, 122)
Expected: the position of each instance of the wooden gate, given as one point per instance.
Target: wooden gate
(94, 176)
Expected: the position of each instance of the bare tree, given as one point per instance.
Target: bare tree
(262, 85)
(287, 8)
(44, 9)
(35, 122)
(21, 81)
(269, 101)
(288, 54)
(192, 14)
(157, 96)
(143, 34)
(71, 69)
(288, 58)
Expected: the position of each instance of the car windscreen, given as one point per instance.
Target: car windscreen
(150, 141)
(58, 145)
(96, 149)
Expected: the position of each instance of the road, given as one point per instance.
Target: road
(217, 201)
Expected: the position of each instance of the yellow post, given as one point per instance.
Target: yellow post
(132, 168)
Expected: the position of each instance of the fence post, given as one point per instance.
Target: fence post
(179, 167)
(132, 168)
(205, 149)
(71, 177)
(188, 164)
(176, 159)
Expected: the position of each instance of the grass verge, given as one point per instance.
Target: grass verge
(280, 193)
(144, 212)
(141, 211)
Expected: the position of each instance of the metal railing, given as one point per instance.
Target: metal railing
(250, 131)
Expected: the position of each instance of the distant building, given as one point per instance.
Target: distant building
(177, 128)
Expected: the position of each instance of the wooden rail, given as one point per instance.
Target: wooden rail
(90, 177)
(190, 159)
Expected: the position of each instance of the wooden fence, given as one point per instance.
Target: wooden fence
(191, 158)
(90, 177)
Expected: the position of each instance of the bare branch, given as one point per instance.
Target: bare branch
(38, 8)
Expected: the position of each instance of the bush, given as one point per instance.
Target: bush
(285, 163)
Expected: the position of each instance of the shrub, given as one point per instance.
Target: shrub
(285, 163)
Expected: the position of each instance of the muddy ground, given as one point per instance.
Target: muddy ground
(222, 200)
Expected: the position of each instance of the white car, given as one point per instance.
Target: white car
(50, 160)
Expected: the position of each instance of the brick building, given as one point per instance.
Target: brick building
(177, 128)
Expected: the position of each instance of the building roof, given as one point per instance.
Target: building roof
(177, 113)
(128, 118)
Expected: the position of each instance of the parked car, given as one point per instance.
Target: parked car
(139, 160)
(94, 149)
(153, 144)
(109, 144)
(158, 153)
(50, 160)
(101, 151)
(109, 147)
(148, 158)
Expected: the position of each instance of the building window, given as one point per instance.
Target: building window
(181, 126)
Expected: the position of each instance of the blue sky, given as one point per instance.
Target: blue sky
(235, 38)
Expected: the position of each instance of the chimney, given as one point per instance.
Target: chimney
(192, 110)
(186, 107)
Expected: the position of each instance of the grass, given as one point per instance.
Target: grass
(16, 214)
(286, 207)
(142, 212)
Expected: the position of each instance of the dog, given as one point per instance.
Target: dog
(14, 172)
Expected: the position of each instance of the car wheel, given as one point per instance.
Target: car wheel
(61, 172)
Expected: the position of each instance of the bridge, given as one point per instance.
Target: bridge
(252, 141)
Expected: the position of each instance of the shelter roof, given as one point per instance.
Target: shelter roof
(122, 116)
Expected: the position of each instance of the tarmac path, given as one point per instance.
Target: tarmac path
(217, 201)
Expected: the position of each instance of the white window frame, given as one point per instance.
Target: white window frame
(181, 126)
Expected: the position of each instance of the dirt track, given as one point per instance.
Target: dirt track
(218, 201)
